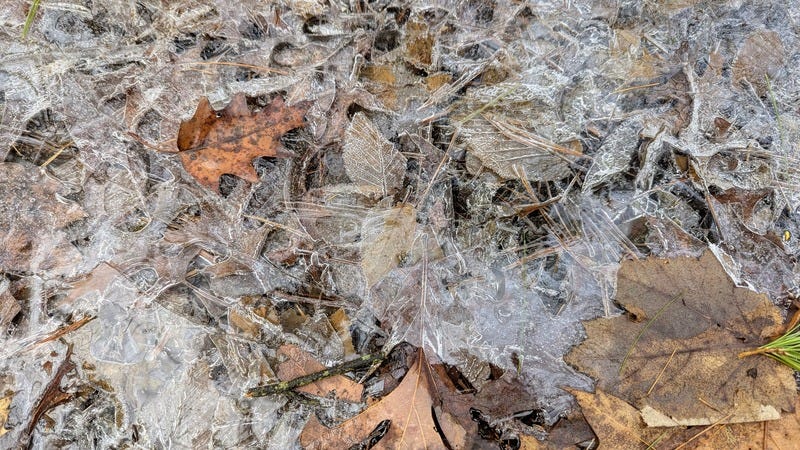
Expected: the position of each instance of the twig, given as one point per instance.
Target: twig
(285, 386)
(235, 64)
(56, 154)
(51, 397)
(69, 328)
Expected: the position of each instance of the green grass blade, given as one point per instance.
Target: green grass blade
(29, 19)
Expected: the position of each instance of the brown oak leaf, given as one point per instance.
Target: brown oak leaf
(213, 143)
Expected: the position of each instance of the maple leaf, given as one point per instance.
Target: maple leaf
(213, 143)
(409, 408)
(676, 359)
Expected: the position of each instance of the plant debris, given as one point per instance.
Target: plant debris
(674, 355)
(213, 143)
(460, 179)
(410, 410)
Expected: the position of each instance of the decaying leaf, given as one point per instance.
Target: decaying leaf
(30, 215)
(510, 156)
(617, 424)
(51, 397)
(397, 85)
(674, 356)
(388, 235)
(370, 160)
(419, 45)
(213, 143)
(761, 55)
(409, 408)
(299, 362)
(5, 405)
(774, 434)
(98, 280)
(9, 306)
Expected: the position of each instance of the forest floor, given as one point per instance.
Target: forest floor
(492, 223)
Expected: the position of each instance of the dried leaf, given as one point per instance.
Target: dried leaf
(680, 354)
(9, 306)
(98, 281)
(758, 208)
(213, 143)
(617, 424)
(300, 362)
(508, 157)
(341, 324)
(409, 408)
(761, 55)
(30, 210)
(774, 434)
(5, 406)
(51, 397)
(419, 43)
(370, 160)
(388, 235)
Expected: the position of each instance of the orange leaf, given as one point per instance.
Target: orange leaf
(213, 143)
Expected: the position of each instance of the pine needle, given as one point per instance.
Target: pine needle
(638, 336)
(785, 349)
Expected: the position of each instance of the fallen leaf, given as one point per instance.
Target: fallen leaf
(370, 160)
(772, 435)
(617, 424)
(31, 213)
(5, 406)
(51, 397)
(510, 158)
(530, 443)
(387, 236)
(98, 280)
(9, 306)
(409, 408)
(299, 362)
(761, 55)
(757, 209)
(340, 322)
(213, 143)
(676, 360)
(419, 43)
